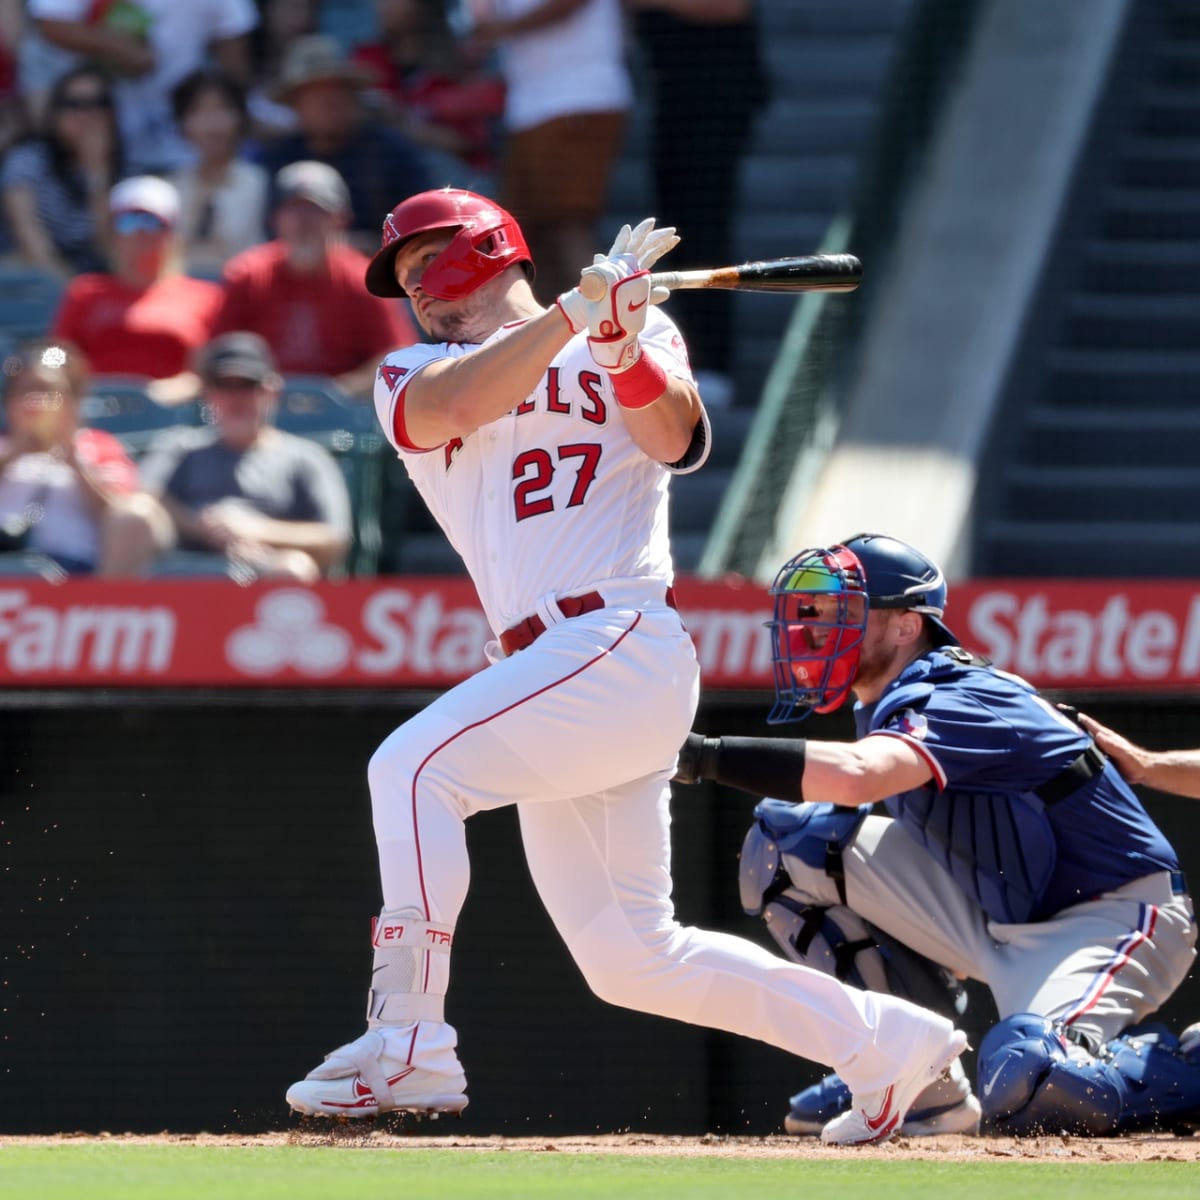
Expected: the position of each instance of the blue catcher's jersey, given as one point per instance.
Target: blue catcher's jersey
(990, 741)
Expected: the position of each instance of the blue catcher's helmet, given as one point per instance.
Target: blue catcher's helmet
(822, 597)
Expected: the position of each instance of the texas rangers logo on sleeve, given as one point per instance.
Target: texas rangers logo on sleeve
(910, 723)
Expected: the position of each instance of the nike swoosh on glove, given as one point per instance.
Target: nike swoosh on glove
(615, 322)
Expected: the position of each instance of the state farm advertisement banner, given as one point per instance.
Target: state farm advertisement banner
(407, 633)
(429, 633)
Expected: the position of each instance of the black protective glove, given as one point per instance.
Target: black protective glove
(761, 766)
(697, 759)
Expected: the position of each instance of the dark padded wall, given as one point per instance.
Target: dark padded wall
(186, 885)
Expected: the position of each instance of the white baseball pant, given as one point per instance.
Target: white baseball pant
(580, 731)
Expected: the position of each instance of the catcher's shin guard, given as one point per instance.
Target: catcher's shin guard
(1032, 1081)
(1161, 1077)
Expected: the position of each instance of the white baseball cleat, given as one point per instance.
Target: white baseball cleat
(945, 1106)
(361, 1079)
(876, 1116)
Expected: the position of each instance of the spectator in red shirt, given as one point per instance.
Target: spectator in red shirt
(61, 486)
(144, 318)
(304, 292)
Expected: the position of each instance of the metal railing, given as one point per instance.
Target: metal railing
(799, 411)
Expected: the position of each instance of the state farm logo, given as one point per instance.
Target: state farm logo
(110, 639)
(411, 633)
(397, 632)
(289, 630)
(1079, 633)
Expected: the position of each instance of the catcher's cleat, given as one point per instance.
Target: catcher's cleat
(945, 1106)
(361, 1079)
(877, 1116)
(1189, 1042)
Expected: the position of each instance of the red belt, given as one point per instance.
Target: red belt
(525, 633)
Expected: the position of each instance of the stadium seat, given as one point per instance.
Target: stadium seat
(191, 564)
(312, 406)
(29, 299)
(125, 409)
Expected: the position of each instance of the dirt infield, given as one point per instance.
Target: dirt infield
(952, 1148)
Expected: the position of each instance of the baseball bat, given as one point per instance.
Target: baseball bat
(802, 273)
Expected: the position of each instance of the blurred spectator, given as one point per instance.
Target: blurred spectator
(223, 198)
(14, 113)
(708, 82)
(149, 46)
(59, 484)
(144, 317)
(432, 88)
(54, 185)
(377, 163)
(269, 503)
(305, 293)
(568, 95)
(282, 22)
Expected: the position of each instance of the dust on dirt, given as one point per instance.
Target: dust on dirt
(1151, 1147)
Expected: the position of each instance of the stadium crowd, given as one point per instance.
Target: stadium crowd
(172, 173)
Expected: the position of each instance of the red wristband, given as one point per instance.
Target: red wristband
(640, 385)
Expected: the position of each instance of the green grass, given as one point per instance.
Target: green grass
(101, 1172)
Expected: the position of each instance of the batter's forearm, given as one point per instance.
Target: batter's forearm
(455, 396)
(663, 430)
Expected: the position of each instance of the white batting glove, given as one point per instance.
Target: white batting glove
(615, 322)
(645, 243)
(587, 311)
(633, 250)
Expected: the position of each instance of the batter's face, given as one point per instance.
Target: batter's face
(468, 320)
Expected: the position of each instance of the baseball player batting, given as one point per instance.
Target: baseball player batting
(1012, 853)
(544, 440)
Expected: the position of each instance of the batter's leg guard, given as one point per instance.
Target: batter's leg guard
(406, 1061)
(1032, 1082)
(398, 994)
(1162, 1080)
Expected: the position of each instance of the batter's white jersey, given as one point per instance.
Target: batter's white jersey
(555, 497)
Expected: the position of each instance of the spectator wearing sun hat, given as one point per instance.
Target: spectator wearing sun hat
(326, 91)
(143, 317)
(304, 292)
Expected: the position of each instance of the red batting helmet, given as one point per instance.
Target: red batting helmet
(488, 241)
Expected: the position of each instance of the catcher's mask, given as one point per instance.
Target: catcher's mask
(822, 598)
(488, 241)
